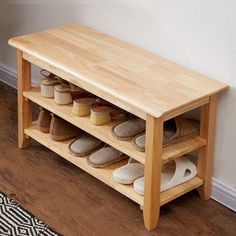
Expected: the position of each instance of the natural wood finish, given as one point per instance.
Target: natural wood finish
(73, 202)
(24, 106)
(103, 174)
(102, 132)
(152, 175)
(206, 153)
(128, 76)
(173, 151)
(186, 108)
(179, 190)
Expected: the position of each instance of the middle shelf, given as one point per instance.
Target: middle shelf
(104, 132)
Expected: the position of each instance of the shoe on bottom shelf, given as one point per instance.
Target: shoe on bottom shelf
(128, 173)
(44, 120)
(84, 145)
(178, 172)
(105, 157)
(62, 130)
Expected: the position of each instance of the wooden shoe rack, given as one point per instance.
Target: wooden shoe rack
(138, 81)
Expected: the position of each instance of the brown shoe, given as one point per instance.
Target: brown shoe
(61, 130)
(44, 120)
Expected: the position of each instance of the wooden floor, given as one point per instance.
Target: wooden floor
(74, 203)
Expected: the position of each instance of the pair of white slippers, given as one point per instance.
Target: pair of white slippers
(173, 174)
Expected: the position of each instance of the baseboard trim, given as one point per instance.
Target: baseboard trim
(223, 194)
(8, 76)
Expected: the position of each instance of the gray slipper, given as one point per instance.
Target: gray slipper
(84, 145)
(128, 129)
(105, 156)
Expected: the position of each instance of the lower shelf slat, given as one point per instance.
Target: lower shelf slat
(105, 174)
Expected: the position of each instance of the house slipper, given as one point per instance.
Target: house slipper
(84, 145)
(175, 130)
(129, 129)
(82, 106)
(104, 114)
(65, 92)
(128, 173)
(178, 172)
(48, 82)
(105, 157)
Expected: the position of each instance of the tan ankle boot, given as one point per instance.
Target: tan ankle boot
(61, 130)
(44, 120)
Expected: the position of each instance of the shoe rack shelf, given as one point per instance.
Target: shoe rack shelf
(137, 81)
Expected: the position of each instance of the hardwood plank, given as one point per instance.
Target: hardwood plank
(206, 153)
(116, 70)
(173, 151)
(24, 106)
(152, 175)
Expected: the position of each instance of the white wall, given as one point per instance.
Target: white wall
(198, 34)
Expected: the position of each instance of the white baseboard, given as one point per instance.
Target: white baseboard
(221, 192)
(8, 76)
(224, 194)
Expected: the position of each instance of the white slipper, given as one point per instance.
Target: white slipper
(182, 170)
(129, 173)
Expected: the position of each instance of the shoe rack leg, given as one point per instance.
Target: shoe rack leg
(151, 209)
(206, 153)
(24, 106)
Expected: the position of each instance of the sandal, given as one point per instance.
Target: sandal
(105, 157)
(48, 83)
(104, 114)
(178, 172)
(129, 173)
(175, 130)
(84, 145)
(129, 129)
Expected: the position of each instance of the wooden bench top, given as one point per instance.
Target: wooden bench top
(126, 75)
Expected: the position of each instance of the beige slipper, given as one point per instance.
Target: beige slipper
(44, 120)
(62, 130)
(84, 145)
(104, 114)
(48, 82)
(175, 130)
(129, 129)
(66, 92)
(105, 156)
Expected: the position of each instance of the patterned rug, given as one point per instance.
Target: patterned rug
(16, 221)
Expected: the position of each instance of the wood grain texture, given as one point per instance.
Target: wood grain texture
(152, 174)
(116, 70)
(206, 153)
(24, 106)
(76, 204)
